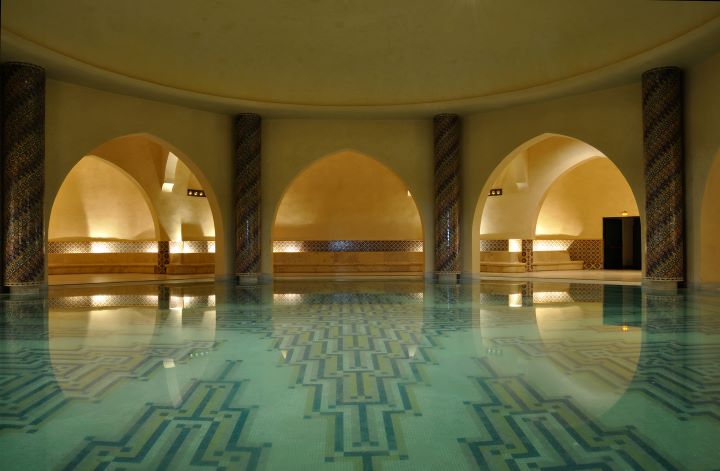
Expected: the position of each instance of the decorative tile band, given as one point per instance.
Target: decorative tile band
(102, 246)
(494, 245)
(664, 173)
(446, 138)
(590, 251)
(247, 193)
(131, 246)
(23, 173)
(348, 246)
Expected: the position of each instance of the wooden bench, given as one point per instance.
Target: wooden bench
(501, 262)
(555, 260)
(348, 262)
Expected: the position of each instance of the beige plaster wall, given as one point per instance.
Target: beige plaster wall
(292, 145)
(609, 120)
(347, 196)
(99, 201)
(576, 203)
(79, 119)
(702, 153)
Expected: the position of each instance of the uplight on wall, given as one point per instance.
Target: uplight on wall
(409, 194)
(624, 213)
(167, 187)
(515, 300)
(515, 245)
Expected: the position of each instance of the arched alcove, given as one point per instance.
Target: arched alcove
(552, 188)
(710, 227)
(183, 210)
(99, 200)
(347, 213)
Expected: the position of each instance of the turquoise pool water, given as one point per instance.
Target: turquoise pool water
(361, 376)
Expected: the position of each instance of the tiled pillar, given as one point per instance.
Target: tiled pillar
(163, 256)
(247, 196)
(526, 255)
(23, 173)
(664, 176)
(446, 136)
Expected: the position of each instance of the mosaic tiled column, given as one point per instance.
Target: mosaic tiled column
(446, 136)
(247, 195)
(664, 177)
(526, 256)
(23, 173)
(163, 260)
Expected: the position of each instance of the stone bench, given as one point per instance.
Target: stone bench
(76, 263)
(555, 260)
(501, 262)
(191, 263)
(348, 262)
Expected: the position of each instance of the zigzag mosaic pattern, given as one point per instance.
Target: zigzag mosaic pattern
(523, 429)
(360, 373)
(31, 379)
(205, 431)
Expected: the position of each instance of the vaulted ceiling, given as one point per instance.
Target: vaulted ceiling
(356, 56)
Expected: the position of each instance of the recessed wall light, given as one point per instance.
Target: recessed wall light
(194, 192)
(495, 192)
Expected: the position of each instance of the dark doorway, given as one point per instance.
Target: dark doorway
(621, 241)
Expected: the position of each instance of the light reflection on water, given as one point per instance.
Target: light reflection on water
(360, 375)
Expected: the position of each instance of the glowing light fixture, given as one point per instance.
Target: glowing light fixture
(100, 247)
(409, 194)
(515, 300)
(625, 328)
(624, 213)
(195, 192)
(495, 192)
(515, 245)
(167, 187)
(168, 363)
(548, 245)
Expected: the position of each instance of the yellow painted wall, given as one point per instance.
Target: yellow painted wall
(576, 203)
(100, 201)
(347, 196)
(78, 119)
(702, 153)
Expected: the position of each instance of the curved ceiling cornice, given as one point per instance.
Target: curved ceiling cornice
(411, 57)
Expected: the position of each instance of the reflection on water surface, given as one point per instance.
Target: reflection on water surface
(360, 375)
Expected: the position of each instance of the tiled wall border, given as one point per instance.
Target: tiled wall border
(348, 246)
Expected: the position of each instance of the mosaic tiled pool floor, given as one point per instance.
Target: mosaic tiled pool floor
(361, 376)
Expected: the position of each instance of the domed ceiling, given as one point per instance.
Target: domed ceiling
(421, 55)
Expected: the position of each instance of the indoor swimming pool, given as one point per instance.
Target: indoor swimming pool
(393, 375)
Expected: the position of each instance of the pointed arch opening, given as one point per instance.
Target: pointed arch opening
(558, 204)
(99, 218)
(347, 213)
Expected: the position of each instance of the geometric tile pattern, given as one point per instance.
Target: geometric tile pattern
(662, 98)
(446, 138)
(109, 246)
(163, 248)
(590, 251)
(520, 428)
(206, 430)
(30, 386)
(22, 165)
(247, 131)
(494, 245)
(684, 379)
(347, 246)
(526, 256)
(360, 374)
